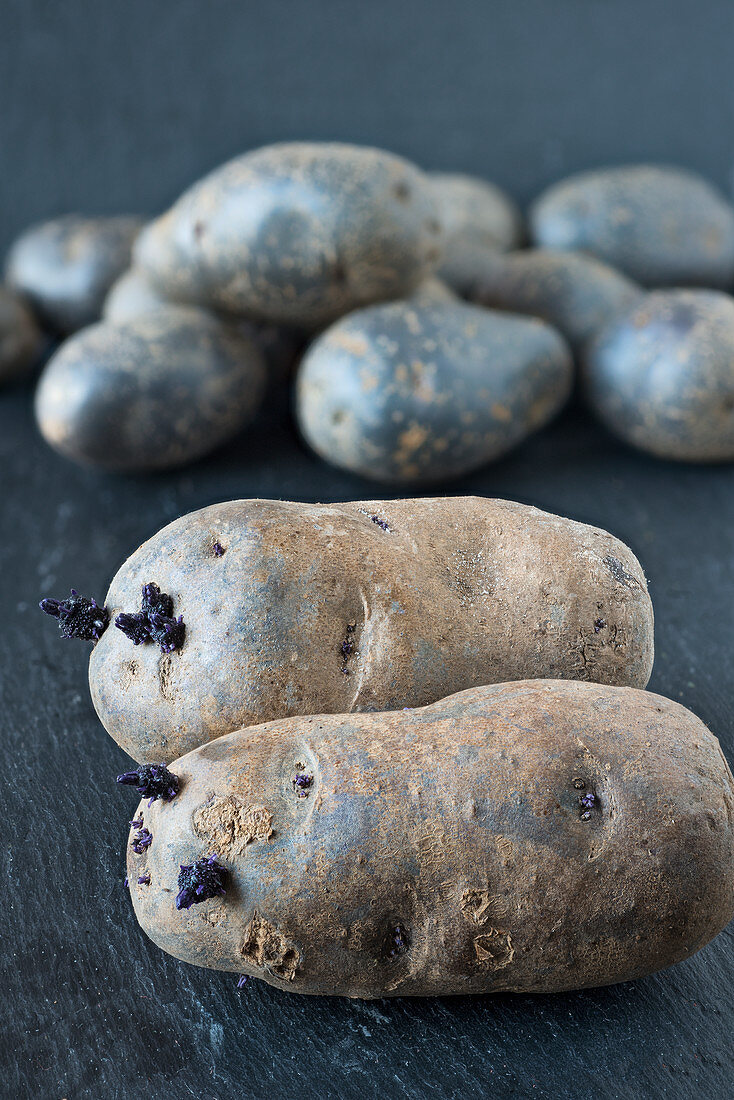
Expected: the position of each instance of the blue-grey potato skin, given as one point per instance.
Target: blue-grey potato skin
(448, 850)
(415, 392)
(661, 376)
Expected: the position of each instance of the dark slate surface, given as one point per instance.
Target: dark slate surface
(90, 1009)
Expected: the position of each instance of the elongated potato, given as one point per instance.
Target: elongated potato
(373, 605)
(533, 836)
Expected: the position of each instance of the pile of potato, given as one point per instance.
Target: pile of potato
(428, 340)
(402, 748)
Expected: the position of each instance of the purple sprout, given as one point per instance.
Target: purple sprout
(154, 622)
(142, 840)
(400, 941)
(587, 802)
(242, 981)
(599, 625)
(78, 616)
(380, 523)
(218, 551)
(302, 784)
(152, 781)
(168, 633)
(137, 823)
(199, 881)
(144, 880)
(126, 882)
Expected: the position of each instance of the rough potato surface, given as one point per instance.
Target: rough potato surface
(297, 233)
(370, 605)
(662, 226)
(533, 836)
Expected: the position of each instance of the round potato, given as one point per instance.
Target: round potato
(297, 234)
(661, 376)
(576, 294)
(373, 605)
(130, 296)
(661, 226)
(478, 221)
(150, 394)
(424, 391)
(65, 267)
(529, 837)
(20, 338)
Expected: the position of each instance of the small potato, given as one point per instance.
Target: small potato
(150, 394)
(528, 837)
(20, 338)
(661, 226)
(297, 234)
(130, 296)
(65, 267)
(425, 391)
(576, 294)
(479, 220)
(661, 376)
(374, 605)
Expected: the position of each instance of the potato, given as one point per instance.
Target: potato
(478, 220)
(20, 338)
(130, 296)
(150, 394)
(297, 234)
(534, 836)
(576, 294)
(373, 605)
(66, 266)
(661, 377)
(661, 226)
(425, 391)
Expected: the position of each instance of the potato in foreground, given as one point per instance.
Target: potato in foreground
(373, 605)
(661, 226)
(66, 266)
(151, 393)
(661, 375)
(424, 391)
(535, 836)
(297, 233)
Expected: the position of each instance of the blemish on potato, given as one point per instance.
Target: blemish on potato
(494, 948)
(474, 905)
(265, 947)
(229, 827)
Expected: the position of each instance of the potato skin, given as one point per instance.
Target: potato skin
(660, 376)
(20, 337)
(443, 850)
(576, 294)
(660, 225)
(448, 594)
(479, 220)
(130, 296)
(297, 233)
(150, 394)
(424, 391)
(66, 266)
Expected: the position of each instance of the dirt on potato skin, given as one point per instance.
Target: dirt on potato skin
(533, 836)
(362, 606)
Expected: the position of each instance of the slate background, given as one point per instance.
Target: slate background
(117, 106)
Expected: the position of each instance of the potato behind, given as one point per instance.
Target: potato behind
(534, 836)
(372, 605)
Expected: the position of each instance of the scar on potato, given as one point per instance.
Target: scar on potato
(229, 827)
(494, 948)
(265, 947)
(474, 905)
(619, 573)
